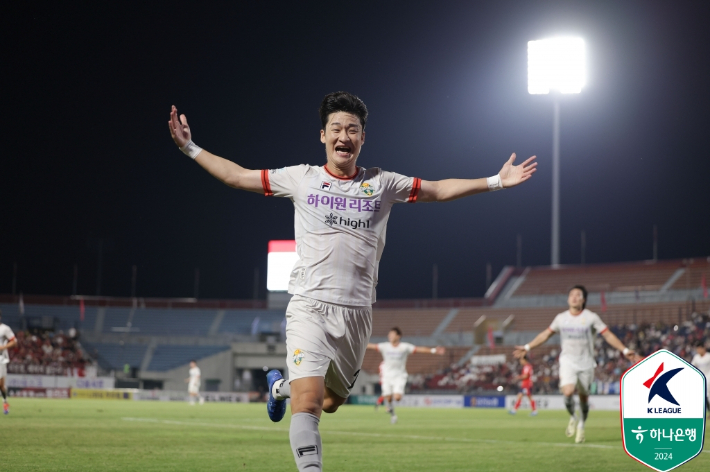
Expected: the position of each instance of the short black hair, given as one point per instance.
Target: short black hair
(342, 101)
(700, 344)
(193, 360)
(584, 294)
(397, 330)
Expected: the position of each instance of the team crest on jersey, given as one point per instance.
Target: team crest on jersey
(367, 188)
(298, 356)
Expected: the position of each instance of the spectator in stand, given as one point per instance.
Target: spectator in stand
(47, 353)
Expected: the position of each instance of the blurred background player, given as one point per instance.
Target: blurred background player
(394, 373)
(7, 341)
(701, 360)
(193, 384)
(577, 327)
(525, 378)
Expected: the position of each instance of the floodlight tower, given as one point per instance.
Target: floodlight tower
(556, 64)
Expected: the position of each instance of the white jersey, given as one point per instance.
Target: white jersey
(703, 364)
(340, 227)
(194, 375)
(577, 338)
(6, 335)
(395, 358)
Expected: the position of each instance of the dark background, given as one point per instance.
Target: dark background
(87, 156)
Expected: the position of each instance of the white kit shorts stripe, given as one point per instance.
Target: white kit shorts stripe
(326, 340)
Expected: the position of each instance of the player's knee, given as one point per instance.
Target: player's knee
(397, 397)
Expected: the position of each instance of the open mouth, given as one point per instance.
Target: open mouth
(342, 151)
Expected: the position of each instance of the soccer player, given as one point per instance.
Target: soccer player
(7, 341)
(394, 375)
(577, 327)
(193, 384)
(701, 360)
(525, 378)
(341, 212)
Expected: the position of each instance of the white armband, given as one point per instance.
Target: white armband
(527, 347)
(626, 350)
(494, 183)
(433, 350)
(191, 149)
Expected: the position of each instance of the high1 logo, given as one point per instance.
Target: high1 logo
(332, 220)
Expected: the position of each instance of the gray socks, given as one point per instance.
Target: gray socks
(281, 390)
(569, 404)
(584, 406)
(306, 443)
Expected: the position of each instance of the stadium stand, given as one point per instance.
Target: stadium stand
(411, 322)
(240, 321)
(417, 363)
(113, 356)
(170, 357)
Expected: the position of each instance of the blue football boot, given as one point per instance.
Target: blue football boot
(275, 408)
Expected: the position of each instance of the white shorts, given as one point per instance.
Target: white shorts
(326, 340)
(193, 387)
(393, 384)
(3, 371)
(582, 379)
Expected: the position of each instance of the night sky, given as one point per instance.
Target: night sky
(87, 156)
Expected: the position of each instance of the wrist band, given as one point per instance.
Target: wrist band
(527, 347)
(433, 350)
(626, 350)
(191, 149)
(494, 183)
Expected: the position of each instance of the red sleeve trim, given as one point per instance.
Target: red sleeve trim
(416, 186)
(265, 183)
(606, 328)
(551, 329)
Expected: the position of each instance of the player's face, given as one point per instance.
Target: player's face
(192, 365)
(701, 350)
(393, 337)
(343, 137)
(575, 299)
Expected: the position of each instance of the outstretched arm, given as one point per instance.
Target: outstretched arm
(452, 189)
(372, 346)
(617, 344)
(224, 170)
(541, 338)
(430, 350)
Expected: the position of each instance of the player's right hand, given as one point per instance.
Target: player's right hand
(179, 129)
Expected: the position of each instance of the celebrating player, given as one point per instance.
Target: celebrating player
(193, 384)
(7, 341)
(701, 360)
(341, 215)
(394, 374)
(577, 327)
(525, 378)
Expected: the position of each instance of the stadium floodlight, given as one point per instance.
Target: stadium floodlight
(556, 64)
(282, 258)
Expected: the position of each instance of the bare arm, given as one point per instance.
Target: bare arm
(539, 340)
(226, 171)
(617, 344)
(372, 346)
(9, 345)
(430, 350)
(452, 189)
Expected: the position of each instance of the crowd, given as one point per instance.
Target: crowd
(48, 353)
(644, 339)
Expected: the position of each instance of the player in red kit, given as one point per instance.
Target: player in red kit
(525, 378)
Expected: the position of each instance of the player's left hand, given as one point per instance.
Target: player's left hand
(511, 175)
(519, 352)
(440, 350)
(179, 129)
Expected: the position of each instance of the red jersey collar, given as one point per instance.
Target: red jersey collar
(357, 171)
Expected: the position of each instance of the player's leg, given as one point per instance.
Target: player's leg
(307, 395)
(518, 400)
(568, 382)
(532, 404)
(398, 386)
(583, 383)
(3, 390)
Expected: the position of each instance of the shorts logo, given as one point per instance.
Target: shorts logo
(367, 189)
(298, 356)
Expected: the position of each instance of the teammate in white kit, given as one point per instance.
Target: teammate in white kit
(7, 341)
(193, 383)
(394, 374)
(701, 360)
(577, 327)
(341, 213)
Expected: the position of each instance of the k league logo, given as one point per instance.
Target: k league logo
(663, 411)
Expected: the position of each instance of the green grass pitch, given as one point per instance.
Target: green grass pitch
(96, 435)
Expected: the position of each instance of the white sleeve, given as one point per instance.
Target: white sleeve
(555, 325)
(282, 182)
(381, 346)
(399, 188)
(410, 348)
(9, 335)
(696, 360)
(598, 324)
